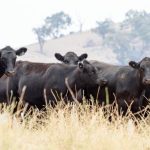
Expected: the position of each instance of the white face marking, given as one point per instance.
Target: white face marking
(122, 76)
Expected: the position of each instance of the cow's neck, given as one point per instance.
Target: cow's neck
(2, 69)
(76, 79)
(138, 79)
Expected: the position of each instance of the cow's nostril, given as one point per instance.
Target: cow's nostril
(147, 81)
(10, 73)
(103, 82)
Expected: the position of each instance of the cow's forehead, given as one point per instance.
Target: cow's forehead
(7, 48)
(146, 59)
(145, 63)
(8, 52)
(71, 55)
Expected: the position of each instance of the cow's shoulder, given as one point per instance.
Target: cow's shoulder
(29, 67)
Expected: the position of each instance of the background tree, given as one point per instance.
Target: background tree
(53, 27)
(56, 23)
(129, 39)
(80, 23)
(105, 27)
(40, 33)
(140, 22)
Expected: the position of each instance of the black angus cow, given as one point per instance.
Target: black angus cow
(40, 78)
(7, 66)
(128, 83)
(8, 58)
(71, 58)
(107, 72)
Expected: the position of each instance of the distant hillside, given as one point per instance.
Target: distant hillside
(88, 42)
(111, 42)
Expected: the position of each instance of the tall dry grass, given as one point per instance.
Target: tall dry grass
(72, 127)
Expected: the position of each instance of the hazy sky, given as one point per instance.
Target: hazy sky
(18, 17)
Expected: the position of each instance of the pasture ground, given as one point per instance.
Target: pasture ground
(72, 127)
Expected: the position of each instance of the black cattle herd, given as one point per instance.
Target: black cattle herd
(46, 82)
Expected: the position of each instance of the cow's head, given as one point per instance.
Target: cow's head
(144, 69)
(70, 58)
(8, 58)
(90, 74)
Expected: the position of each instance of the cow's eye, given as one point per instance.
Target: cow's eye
(3, 59)
(93, 71)
(142, 69)
(76, 62)
(66, 61)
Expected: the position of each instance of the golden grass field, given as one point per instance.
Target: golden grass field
(72, 127)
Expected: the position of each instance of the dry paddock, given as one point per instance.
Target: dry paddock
(73, 127)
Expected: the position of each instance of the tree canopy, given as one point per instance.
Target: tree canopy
(129, 39)
(53, 27)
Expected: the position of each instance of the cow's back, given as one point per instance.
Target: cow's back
(27, 74)
(107, 71)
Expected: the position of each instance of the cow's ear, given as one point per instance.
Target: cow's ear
(134, 64)
(83, 56)
(21, 51)
(59, 57)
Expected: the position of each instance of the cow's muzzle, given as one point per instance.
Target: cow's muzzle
(146, 81)
(103, 82)
(10, 73)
